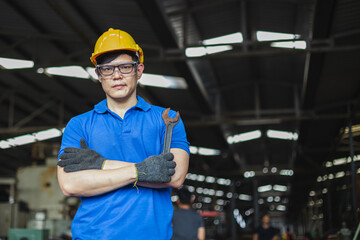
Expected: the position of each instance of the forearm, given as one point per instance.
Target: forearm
(94, 182)
(182, 162)
(201, 233)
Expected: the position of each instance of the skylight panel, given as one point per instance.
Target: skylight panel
(162, 81)
(30, 138)
(292, 44)
(92, 73)
(225, 39)
(68, 71)
(24, 139)
(282, 135)
(47, 134)
(202, 51)
(244, 137)
(11, 63)
(262, 36)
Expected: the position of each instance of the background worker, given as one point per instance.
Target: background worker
(265, 231)
(112, 155)
(187, 224)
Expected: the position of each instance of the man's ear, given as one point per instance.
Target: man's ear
(99, 75)
(140, 69)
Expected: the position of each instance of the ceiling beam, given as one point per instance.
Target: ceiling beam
(70, 21)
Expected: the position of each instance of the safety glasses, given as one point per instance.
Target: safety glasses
(124, 68)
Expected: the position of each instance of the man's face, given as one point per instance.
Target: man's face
(119, 86)
(266, 219)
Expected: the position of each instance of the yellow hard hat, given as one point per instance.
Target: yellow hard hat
(113, 40)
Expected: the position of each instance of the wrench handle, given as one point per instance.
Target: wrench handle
(168, 136)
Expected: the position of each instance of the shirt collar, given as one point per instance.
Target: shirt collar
(101, 107)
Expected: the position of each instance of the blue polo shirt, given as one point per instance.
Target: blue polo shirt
(124, 213)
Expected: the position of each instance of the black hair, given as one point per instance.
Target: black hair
(184, 195)
(109, 56)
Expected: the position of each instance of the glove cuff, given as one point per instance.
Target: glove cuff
(103, 164)
(137, 179)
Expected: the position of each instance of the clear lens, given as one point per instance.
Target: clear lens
(124, 68)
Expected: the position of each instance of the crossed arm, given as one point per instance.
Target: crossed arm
(116, 174)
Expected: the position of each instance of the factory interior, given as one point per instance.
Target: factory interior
(268, 91)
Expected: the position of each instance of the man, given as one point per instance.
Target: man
(265, 231)
(112, 155)
(187, 224)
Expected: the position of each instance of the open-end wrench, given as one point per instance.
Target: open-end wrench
(170, 123)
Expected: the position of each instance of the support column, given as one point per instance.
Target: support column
(353, 170)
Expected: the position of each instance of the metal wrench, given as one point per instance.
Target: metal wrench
(170, 123)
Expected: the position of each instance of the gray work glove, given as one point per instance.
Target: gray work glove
(156, 168)
(77, 159)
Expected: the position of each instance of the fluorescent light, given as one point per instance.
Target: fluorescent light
(47, 134)
(328, 164)
(68, 71)
(11, 63)
(291, 44)
(339, 161)
(245, 197)
(193, 150)
(207, 199)
(223, 181)
(249, 212)
(273, 36)
(280, 188)
(340, 174)
(225, 39)
(281, 207)
(208, 151)
(264, 188)
(202, 51)
(200, 178)
(249, 174)
(244, 137)
(286, 172)
(162, 81)
(210, 179)
(282, 135)
(204, 151)
(219, 193)
(239, 218)
(270, 199)
(174, 198)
